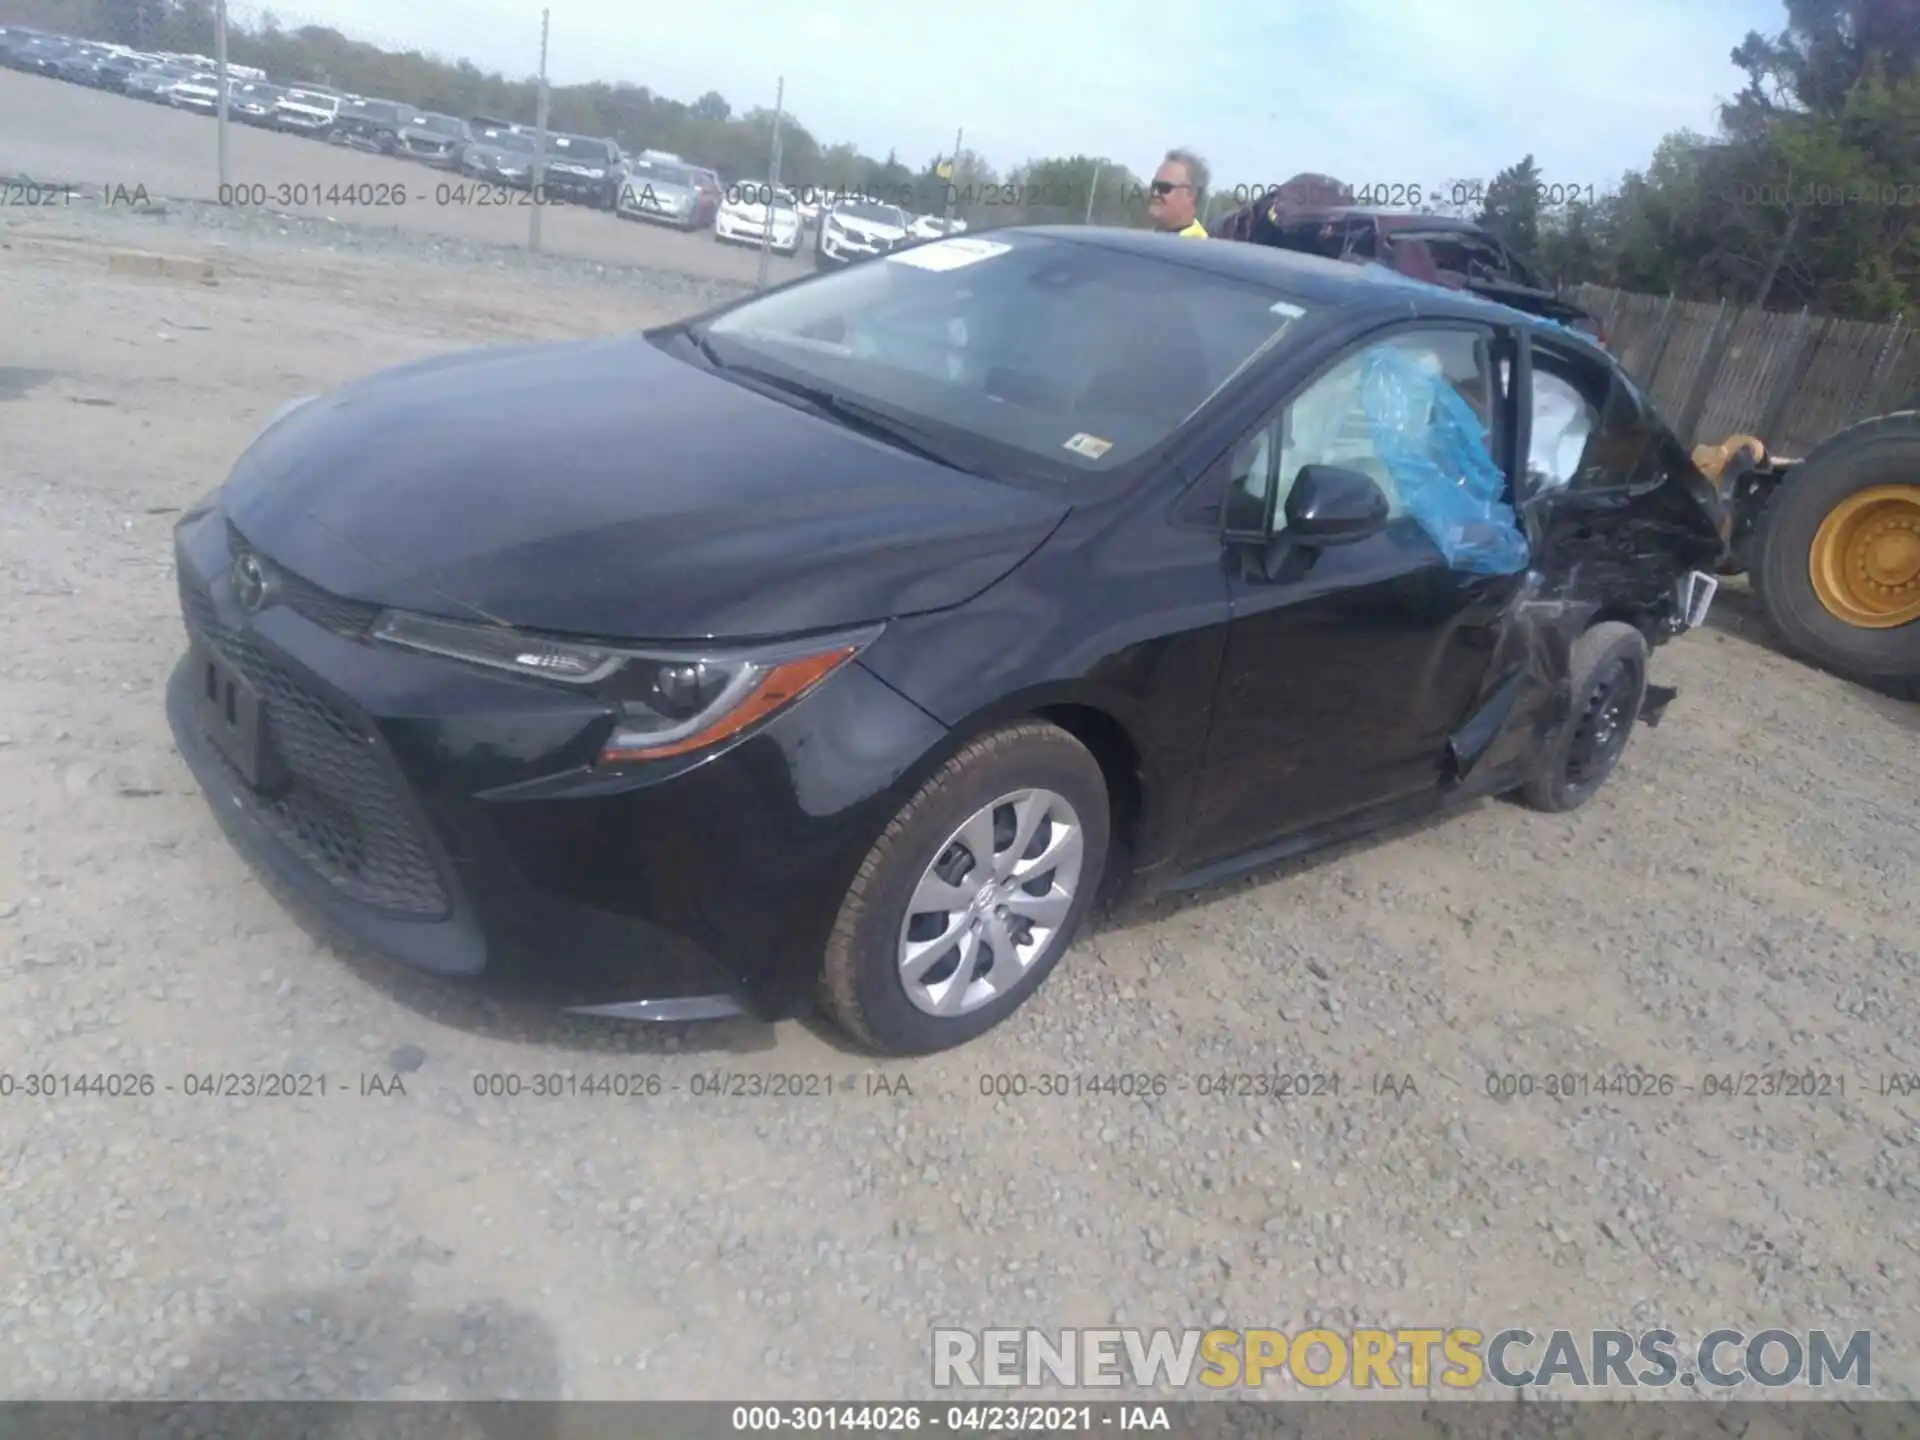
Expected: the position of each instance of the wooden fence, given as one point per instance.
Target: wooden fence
(1717, 370)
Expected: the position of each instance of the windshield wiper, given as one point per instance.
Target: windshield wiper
(850, 413)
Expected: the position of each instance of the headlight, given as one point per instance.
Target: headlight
(669, 703)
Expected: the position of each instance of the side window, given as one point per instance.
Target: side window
(1339, 420)
(1587, 432)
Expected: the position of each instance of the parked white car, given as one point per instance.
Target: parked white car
(859, 230)
(742, 218)
(196, 92)
(306, 112)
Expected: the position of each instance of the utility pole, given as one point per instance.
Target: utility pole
(953, 176)
(220, 78)
(539, 144)
(1093, 190)
(773, 182)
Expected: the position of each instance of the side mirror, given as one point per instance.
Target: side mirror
(1331, 505)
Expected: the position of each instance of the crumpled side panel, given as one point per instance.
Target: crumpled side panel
(1436, 450)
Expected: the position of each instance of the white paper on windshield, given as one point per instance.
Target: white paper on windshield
(950, 254)
(1286, 310)
(1091, 447)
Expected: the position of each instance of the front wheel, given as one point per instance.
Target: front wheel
(971, 895)
(1609, 684)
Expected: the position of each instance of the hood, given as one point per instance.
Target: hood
(660, 189)
(756, 213)
(605, 489)
(868, 229)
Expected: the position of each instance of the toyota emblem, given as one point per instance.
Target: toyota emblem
(249, 583)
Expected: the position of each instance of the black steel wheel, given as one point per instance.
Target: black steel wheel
(1609, 684)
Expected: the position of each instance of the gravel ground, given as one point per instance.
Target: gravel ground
(1741, 897)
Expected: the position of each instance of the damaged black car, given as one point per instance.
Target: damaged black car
(847, 644)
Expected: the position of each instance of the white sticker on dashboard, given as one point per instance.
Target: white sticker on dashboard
(950, 254)
(1090, 446)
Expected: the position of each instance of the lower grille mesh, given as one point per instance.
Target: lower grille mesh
(342, 812)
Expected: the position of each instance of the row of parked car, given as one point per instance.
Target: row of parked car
(653, 186)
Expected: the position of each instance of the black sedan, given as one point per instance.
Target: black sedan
(849, 642)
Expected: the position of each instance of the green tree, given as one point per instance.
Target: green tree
(1511, 208)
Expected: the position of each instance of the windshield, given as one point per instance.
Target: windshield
(593, 152)
(1040, 354)
(875, 212)
(754, 196)
(663, 174)
(439, 124)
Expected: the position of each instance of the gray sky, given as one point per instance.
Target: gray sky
(1376, 92)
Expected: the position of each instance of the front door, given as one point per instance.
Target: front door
(1347, 667)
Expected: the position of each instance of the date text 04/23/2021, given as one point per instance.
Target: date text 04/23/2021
(54, 1085)
(1005, 1419)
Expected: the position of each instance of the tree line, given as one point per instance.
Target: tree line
(1805, 193)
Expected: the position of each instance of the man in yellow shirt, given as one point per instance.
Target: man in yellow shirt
(1177, 195)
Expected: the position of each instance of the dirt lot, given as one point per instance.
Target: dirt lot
(1742, 897)
(120, 148)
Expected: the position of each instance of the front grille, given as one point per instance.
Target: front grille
(342, 811)
(352, 618)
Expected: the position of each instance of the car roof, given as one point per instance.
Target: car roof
(1331, 284)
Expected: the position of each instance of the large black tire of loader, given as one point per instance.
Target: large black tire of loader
(1881, 451)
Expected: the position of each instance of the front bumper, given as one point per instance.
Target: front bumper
(446, 158)
(635, 201)
(450, 818)
(577, 187)
(747, 233)
(838, 250)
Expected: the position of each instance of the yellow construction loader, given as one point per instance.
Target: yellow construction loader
(1831, 545)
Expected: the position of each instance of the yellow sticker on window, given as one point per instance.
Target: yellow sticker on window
(1090, 447)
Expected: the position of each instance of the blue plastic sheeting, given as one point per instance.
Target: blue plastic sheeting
(1435, 448)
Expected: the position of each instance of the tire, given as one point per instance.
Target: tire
(1608, 672)
(1879, 452)
(862, 986)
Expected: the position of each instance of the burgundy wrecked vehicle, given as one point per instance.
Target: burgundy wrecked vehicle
(1316, 215)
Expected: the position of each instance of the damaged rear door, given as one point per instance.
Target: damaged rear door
(1611, 524)
(1350, 663)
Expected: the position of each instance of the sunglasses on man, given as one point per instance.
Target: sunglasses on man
(1164, 188)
